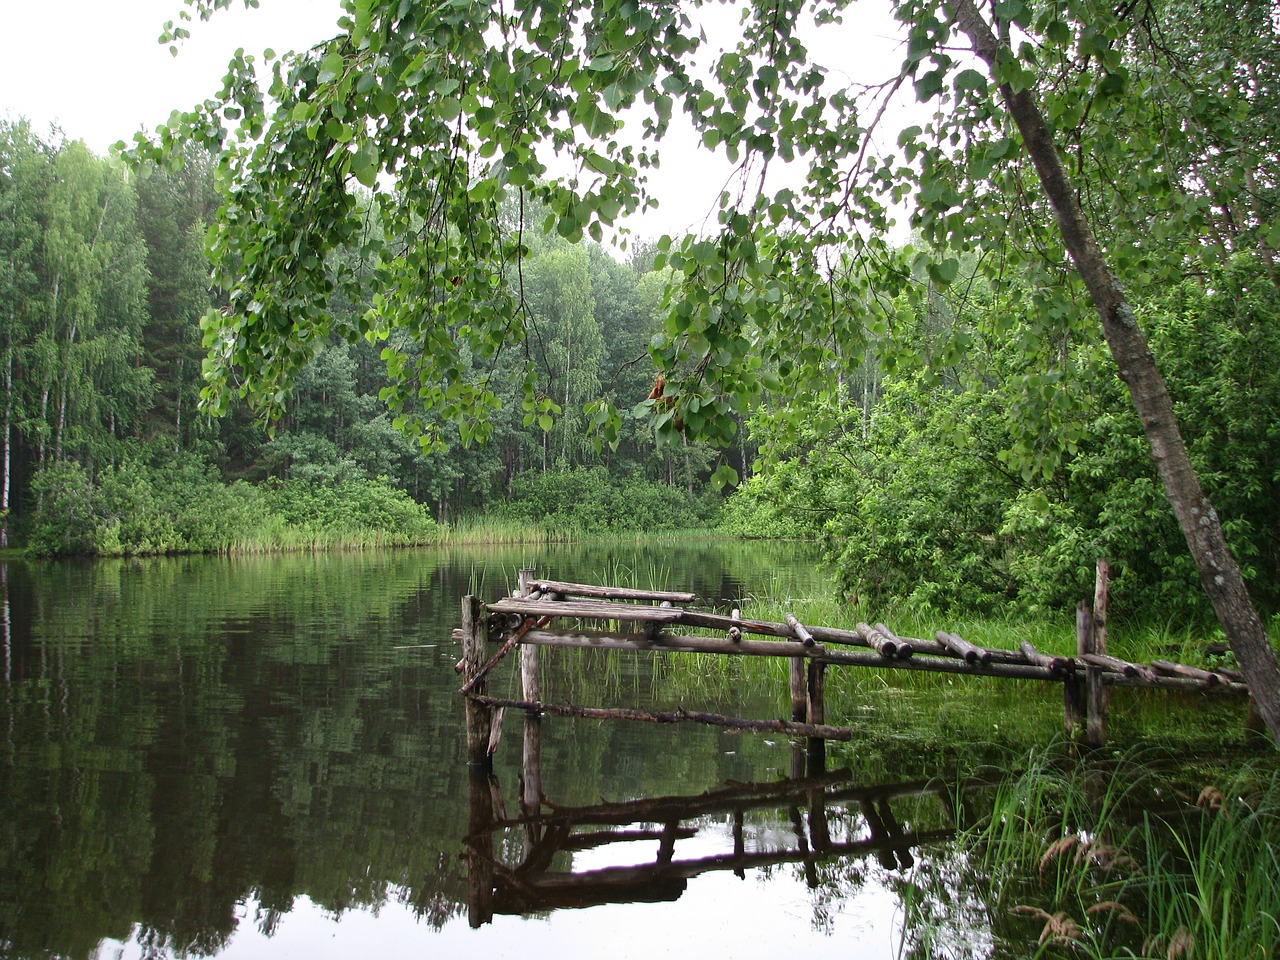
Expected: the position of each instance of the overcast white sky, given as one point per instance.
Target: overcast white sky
(94, 68)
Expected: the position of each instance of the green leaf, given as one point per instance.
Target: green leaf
(944, 273)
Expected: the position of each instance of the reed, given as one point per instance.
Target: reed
(1127, 858)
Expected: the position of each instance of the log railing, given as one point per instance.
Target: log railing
(620, 618)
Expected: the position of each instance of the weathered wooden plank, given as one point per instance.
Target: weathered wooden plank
(972, 653)
(883, 644)
(1061, 665)
(588, 610)
(780, 648)
(799, 631)
(611, 593)
(1193, 673)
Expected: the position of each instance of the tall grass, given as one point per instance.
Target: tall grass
(484, 529)
(1121, 860)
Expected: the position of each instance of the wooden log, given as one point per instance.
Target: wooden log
(972, 654)
(681, 715)
(588, 610)
(528, 624)
(1116, 665)
(800, 631)
(612, 593)
(882, 644)
(495, 733)
(798, 687)
(815, 704)
(780, 648)
(478, 716)
(1179, 684)
(1095, 694)
(1062, 665)
(1193, 673)
(904, 649)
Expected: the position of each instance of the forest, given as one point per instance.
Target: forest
(905, 463)
(106, 452)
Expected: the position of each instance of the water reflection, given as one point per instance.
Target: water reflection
(647, 849)
(247, 758)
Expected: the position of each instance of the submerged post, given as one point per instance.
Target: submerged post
(1095, 694)
(815, 705)
(531, 689)
(799, 690)
(479, 716)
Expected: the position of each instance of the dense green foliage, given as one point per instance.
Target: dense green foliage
(925, 489)
(104, 451)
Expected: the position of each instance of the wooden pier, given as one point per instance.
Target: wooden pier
(618, 618)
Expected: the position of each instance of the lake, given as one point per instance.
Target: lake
(264, 757)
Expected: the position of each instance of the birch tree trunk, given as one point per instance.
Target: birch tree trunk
(1219, 572)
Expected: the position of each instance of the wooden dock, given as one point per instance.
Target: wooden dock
(551, 613)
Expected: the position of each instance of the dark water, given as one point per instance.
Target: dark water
(265, 758)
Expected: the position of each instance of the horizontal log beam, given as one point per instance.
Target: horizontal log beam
(588, 610)
(820, 731)
(587, 639)
(610, 593)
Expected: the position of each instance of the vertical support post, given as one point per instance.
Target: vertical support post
(815, 711)
(479, 717)
(799, 690)
(1095, 695)
(1073, 698)
(531, 690)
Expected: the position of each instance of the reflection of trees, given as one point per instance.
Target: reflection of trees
(192, 735)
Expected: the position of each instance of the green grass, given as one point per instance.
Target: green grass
(1133, 856)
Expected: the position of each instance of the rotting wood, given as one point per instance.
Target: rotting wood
(904, 648)
(972, 653)
(881, 643)
(1192, 673)
(478, 717)
(800, 631)
(495, 732)
(1095, 693)
(1061, 665)
(589, 610)
(528, 624)
(1116, 665)
(670, 716)
(798, 686)
(653, 628)
(611, 593)
(780, 648)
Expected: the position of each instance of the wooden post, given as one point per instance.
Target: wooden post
(479, 716)
(1095, 694)
(799, 690)
(815, 708)
(1072, 686)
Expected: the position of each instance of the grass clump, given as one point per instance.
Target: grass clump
(1125, 859)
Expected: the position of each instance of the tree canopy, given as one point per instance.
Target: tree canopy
(1077, 156)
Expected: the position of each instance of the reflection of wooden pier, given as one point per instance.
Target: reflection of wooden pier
(617, 618)
(524, 864)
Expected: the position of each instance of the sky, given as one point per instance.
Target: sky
(94, 68)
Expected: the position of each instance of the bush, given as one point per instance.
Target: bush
(589, 500)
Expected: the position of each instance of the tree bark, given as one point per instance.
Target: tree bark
(1219, 573)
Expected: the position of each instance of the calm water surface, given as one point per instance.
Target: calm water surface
(263, 757)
